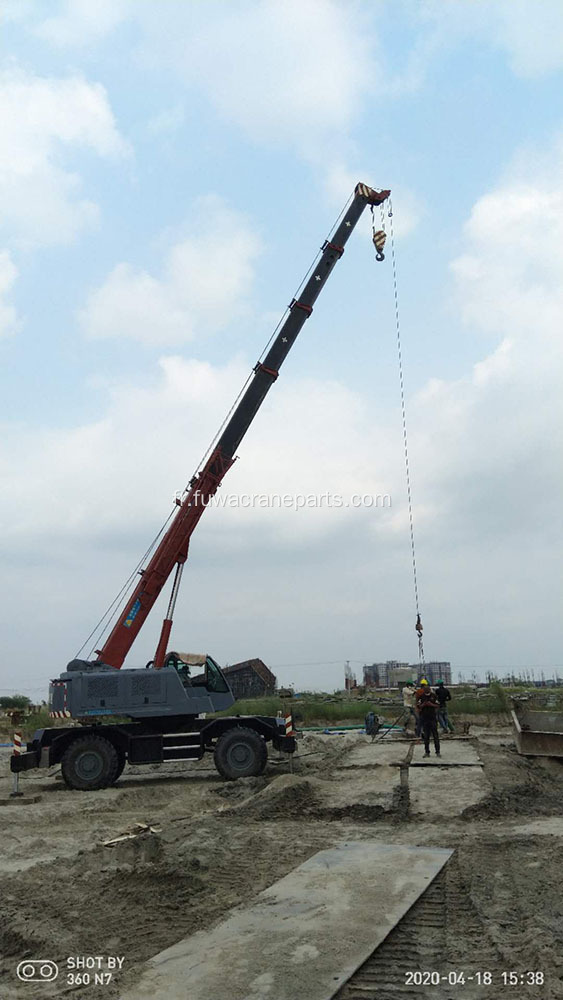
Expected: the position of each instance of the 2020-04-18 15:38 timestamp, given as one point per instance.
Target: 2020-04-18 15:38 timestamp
(482, 978)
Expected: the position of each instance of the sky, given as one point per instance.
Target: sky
(168, 172)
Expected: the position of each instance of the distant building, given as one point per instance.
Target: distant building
(386, 674)
(400, 675)
(392, 673)
(435, 671)
(371, 675)
(250, 679)
(350, 682)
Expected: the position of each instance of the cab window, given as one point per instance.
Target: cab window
(214, 678)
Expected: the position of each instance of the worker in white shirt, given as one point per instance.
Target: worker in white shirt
(409, 692)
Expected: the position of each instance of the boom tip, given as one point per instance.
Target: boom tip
(371, 196)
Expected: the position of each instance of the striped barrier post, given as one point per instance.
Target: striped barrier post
(289, 731)
(15, 793)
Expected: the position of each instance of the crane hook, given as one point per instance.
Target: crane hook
(379, 238)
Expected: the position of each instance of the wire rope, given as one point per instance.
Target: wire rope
(418, 625)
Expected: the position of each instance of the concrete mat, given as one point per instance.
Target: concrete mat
(375, 786)
(370, 754)
(304, 936)
(452, 752)
(443, 792)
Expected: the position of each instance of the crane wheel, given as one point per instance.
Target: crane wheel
(121, 762)
(240, 753)
(89, 763)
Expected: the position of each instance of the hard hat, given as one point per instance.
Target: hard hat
(439, 682)
(424, 681)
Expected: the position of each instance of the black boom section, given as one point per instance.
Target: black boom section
(266, 372)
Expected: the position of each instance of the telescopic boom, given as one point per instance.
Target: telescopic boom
(172, 551)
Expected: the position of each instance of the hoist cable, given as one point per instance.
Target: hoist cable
(121, 592)
(405, 437)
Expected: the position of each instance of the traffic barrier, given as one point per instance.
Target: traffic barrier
(15, 793)
(289, 730)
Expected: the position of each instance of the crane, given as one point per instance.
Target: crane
(167, 705)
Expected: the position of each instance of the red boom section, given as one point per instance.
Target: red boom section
(172, 549)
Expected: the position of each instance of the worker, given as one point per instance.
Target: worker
(372, 724)
(427, 705)
(443, 696)
(419, 689)
(409, 693)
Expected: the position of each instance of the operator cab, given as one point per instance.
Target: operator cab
(198, 670)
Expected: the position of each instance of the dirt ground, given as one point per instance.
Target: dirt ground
(497, 906)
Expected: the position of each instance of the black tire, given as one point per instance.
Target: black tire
(89, 763)
(121, 762)
(240, 753)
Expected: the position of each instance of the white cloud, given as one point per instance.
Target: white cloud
(285, 71)
(167, 121)
(281, 69)
(81, 22)
(105, 488)
(41, 201)
(295, 74)
(289, 73)
(205, 280)
(492, 439)
(510, 276)
(529, 32)
(17, 10)
(8, 275)
(98, 481)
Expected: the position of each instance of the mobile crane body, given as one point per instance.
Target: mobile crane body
(166, 705)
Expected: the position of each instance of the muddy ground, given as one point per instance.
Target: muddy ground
(497, 906)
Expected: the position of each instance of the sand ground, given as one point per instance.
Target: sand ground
(497, 906)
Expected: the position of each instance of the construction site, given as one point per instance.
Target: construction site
(454, 872)
(163, 838)
(281, 691)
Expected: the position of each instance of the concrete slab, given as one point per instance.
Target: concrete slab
(452, 752)
(304, 936)
(366, 787)
(370, 754)
(444, 792)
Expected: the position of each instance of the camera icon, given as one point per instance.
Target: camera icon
(37, 971)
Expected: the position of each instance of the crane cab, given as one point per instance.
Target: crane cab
(198, 670)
